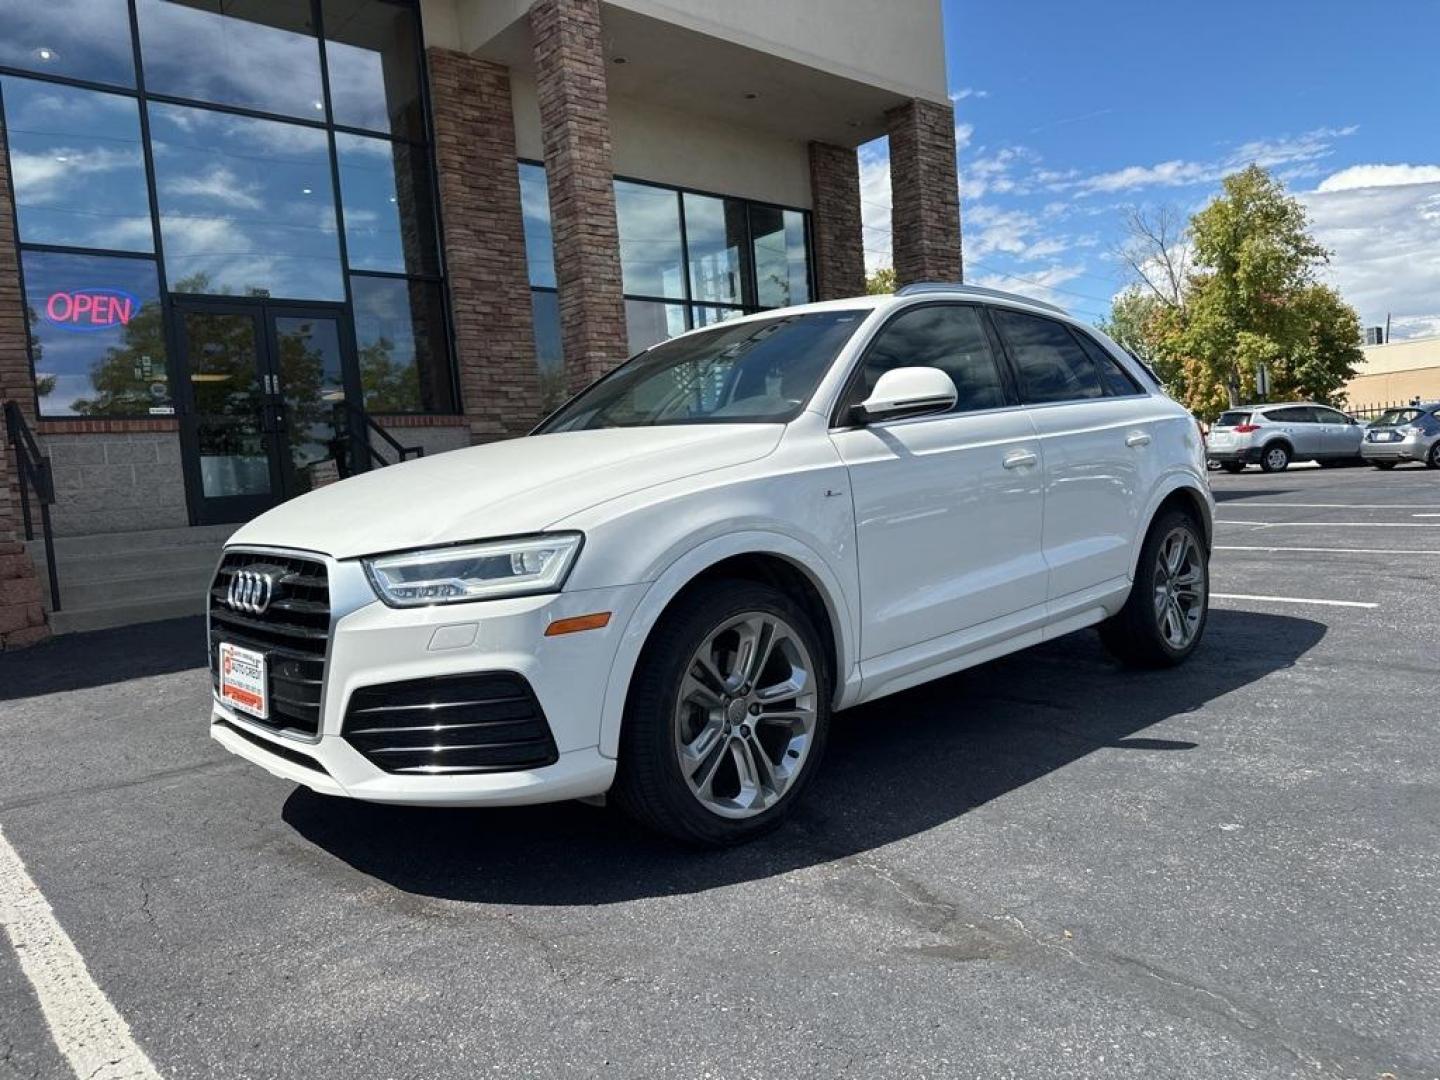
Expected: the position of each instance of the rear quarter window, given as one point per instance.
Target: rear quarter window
(1232, 419)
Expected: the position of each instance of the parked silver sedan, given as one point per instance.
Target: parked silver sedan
(1272, 436)
(1409, 433)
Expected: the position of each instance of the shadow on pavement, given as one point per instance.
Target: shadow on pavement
(894, 768)
(1224, 495)
(101, 657)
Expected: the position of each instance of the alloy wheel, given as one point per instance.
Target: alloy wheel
(745, 714)
(1276, 458)
(1180, 588)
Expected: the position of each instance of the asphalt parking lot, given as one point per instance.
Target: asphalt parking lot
(1044, 867)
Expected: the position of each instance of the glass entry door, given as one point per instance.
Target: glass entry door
(267, 413)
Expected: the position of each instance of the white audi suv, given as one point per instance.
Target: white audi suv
(665, 592)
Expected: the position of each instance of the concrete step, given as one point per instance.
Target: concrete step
(135, 589)
(115, 579)
(158, 562)
(118, 543)
(105, 616)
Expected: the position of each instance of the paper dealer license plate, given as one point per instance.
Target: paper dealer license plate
(242, 680)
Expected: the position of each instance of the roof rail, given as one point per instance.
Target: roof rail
(918, 287)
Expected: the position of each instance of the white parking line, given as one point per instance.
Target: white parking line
(1323, 551)
(1332, 524)
(1238, 504)
(1425, 515)
(94, 1038)
(1292, 600)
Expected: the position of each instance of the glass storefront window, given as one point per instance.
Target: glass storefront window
(78, 39)
(267, 58)
(77, 166)
(385, 192)
(781, 274)
(651, 260)
(649, 323)
(539, 240)
(246, 205)
(715, 237)
(371, 52)
(545, 308)
(400, 337)
(97, 338)
(700, 315)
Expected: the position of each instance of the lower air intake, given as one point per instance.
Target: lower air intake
(482, 723)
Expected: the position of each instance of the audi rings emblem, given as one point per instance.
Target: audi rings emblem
(251, 591)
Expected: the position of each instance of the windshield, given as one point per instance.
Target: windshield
(1232, 419)
(1395, 417)
(740, 373)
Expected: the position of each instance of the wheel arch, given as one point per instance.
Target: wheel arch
(1180, 491)
(774, 559)
(1283, 440)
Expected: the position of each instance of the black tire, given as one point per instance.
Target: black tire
(1275, 457)
(1386, 465)
(1432, 459)
(1133, 635)
(1233, 466)
(649, 783)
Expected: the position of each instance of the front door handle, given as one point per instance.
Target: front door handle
(1137, 438)
(1019, 458)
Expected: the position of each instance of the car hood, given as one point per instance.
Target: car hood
(500, 489)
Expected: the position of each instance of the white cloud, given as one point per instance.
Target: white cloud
(1040, 284)
(218, 184)
(1382, 222)
(1298, 152)
(1368, 176)
(967, 92)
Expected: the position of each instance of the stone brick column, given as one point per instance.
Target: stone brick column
(924, 193)
(22, 619)
(837, 224)
(484, 229)
(575, 121)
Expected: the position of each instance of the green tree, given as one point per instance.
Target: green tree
(1251, 297)
(881, 281)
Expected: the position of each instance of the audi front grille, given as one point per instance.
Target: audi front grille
(292, 630)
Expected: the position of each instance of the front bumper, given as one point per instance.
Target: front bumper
(373, 645)
(1410, 448)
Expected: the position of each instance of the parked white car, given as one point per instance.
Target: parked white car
(666, 590)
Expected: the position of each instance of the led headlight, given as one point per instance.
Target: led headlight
(521, 566)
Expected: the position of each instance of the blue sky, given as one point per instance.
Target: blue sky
(1067, 113)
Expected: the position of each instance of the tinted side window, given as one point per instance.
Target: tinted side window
(1330, 416)
(1294, 415)
(950, 337)
(1117, 381)
(1051, 363)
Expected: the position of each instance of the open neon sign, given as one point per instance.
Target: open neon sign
(89, 310)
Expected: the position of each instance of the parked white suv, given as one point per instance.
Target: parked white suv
(666, 590)
(1272, 436)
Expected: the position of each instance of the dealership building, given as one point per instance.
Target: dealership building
(248, 247)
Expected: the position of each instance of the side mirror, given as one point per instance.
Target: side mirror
(907, 391)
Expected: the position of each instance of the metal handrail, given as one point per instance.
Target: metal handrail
(349, 417)
(33, 469)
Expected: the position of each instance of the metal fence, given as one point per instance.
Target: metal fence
(1371, 412)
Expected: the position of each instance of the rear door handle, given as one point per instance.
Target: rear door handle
(1137, 438)
(1019, 458)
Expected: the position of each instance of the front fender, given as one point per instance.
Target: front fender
(685, 569)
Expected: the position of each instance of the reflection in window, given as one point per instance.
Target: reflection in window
(715, 237)
(650, 251)
(649, 323)
(400, 338)
(371, 52)
(246, 205)
(269, 59)
(539, 240)
(79, 39)
(701, 315)
(781, 276)
(97, 338)
(77, 166)
(545, 308)
(385, 192)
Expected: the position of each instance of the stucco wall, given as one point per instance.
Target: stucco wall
(669, 147)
